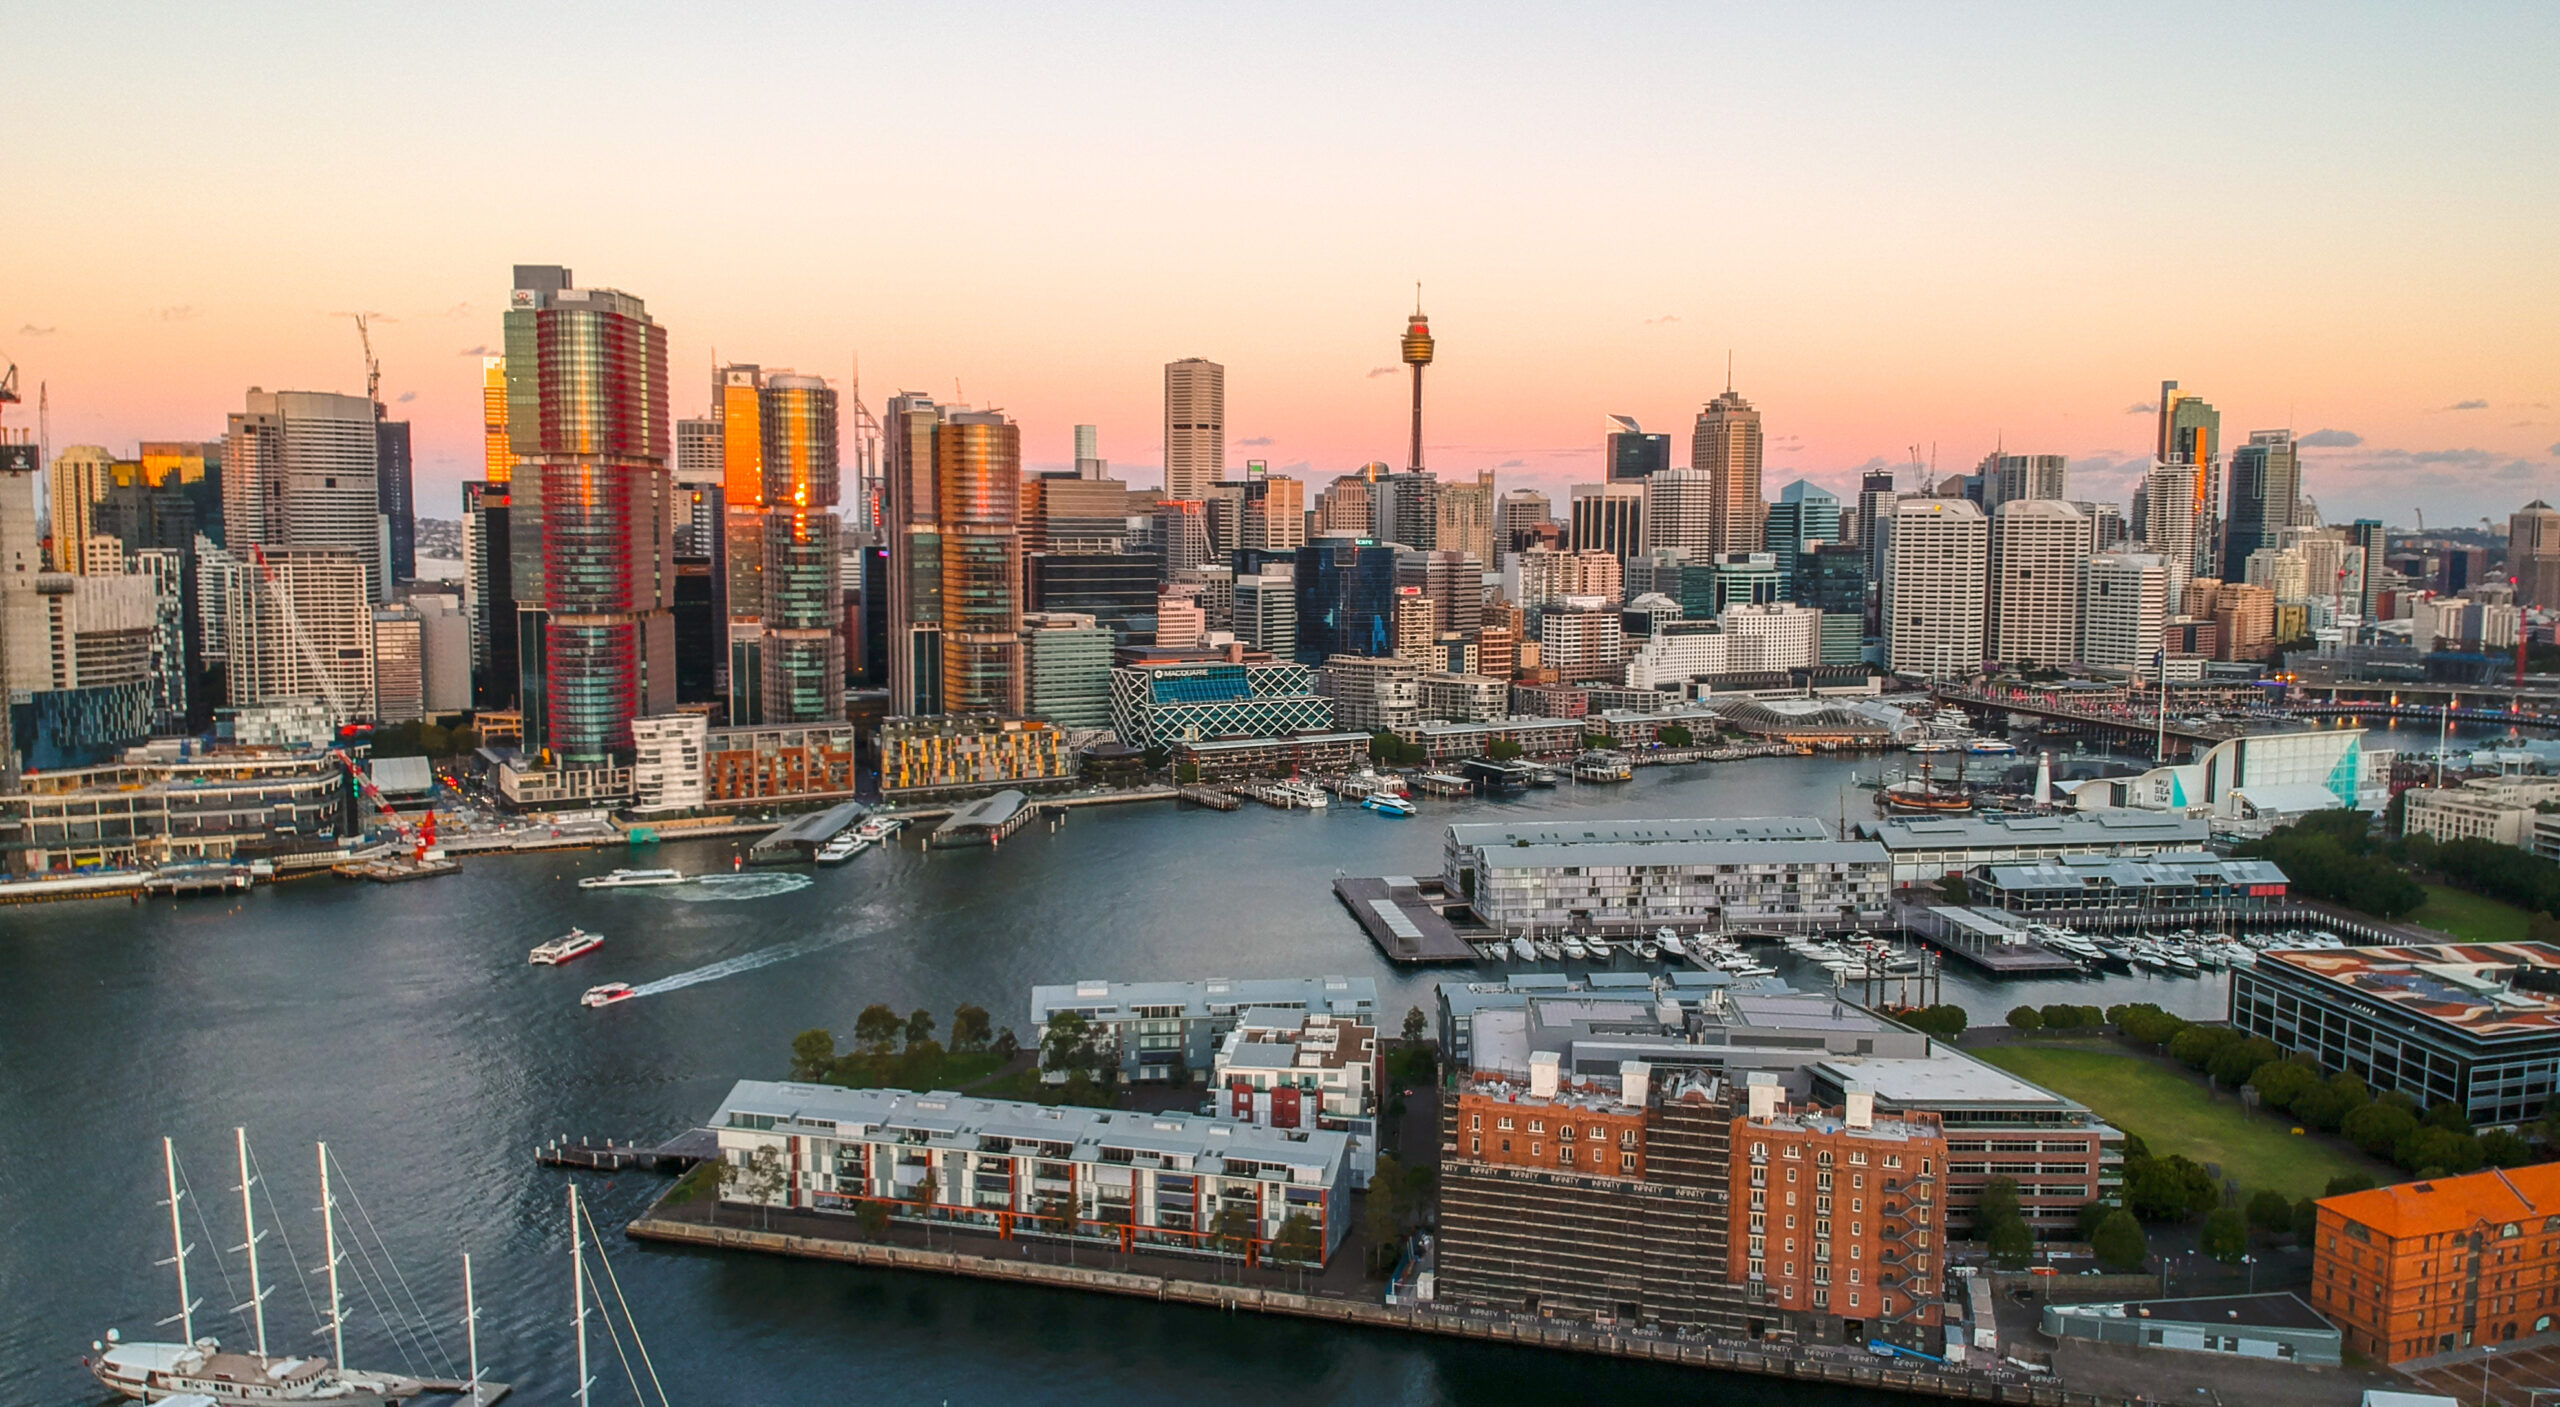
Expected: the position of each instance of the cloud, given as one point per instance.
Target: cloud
(1666, 317)
(479, 351)
(2555, 450)
(182, 312)
(1377, 371)
(1257, 442)
(1523, 464)
(2143, 408)
(31, 330)
(1296, 468)
(458, 310)
(2331, 439)
(2468, 405)
(2457, 466)
(408, 396)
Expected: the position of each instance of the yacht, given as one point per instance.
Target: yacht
(576, 943)
(631, 879)
(1573, 949)
(1990, 747)
(608, 994)
(1601, 948)
(1524, 950)
(879, 828)
(1551, 950)
(842, 848)
(1669, 942)
(1648, 950)
(1387, 803)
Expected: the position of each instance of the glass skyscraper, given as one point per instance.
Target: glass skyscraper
(978, 482)
(1346, 599)
(1804, 513)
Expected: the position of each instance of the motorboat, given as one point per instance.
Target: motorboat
(1295, 792)
(1601, 948)
(1573, 949)
(1387, 804)
(1551, 950)
(842, 848)
(1648, 950)
(608, 994)
(1524, 950)
(1670, 943)
(576, 943)
(879, 828)
(631, 879)
(1990, 747)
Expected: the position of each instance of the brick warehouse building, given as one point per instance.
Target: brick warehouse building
(2432, 1267)
(1844, 1231)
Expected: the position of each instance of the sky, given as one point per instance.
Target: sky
(1956, 227)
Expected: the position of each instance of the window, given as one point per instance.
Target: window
(1627, 1161)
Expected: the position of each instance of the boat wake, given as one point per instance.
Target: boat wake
(723, 888)
(744, 962)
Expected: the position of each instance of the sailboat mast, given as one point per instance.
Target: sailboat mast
(249, 1232)
(578, 1284)
(178, 1242)
(471, 1328)
(329, 1238)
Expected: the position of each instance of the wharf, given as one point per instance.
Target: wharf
(182, 881)
(1442, 784)
(1983, 938)
(683, 1151)
(799, 840)
(1396, 913)
(1210, 797)
(397, 869)
(111, 884)
(1274, 794)
(1731, 1355)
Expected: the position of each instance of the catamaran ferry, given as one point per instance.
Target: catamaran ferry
(608, 994)
(1387, 803)
(841, 849)
(576, 943)
(631, 879)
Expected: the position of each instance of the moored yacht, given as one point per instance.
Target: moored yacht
(844, 847)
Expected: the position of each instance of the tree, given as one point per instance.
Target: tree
(2306, 1221)
(1998, 1223)
(876, 1030)
(1232, 1230)
(2280, 1082)
(1384, 1215)
(1008, 1045)
(2059, 1016)
(2025, 1018)
(1957, 891)
(2120, 1243)
(1503, 750)
(2347, 1184)
(2448, 1116)
(1068, 1046)
(2226, 1235)
(1673, 735)
(2196, 1046)
(2503, 1148)
(1298, 1243)
(1416, 1025)
(2171, 1189)
(2270, 1212)
(920, 1024)
(2378, 1128)
(813, 1055)
(2237, 1060)
(1187, 772)
(969, 1028)
(872, 1219)
(2092, 1215)
(2435, 1152)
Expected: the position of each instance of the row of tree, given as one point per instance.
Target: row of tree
(2332, 855)
(2502, 872)
(2056, 1016)
(1947, 1020)
(897, 1052)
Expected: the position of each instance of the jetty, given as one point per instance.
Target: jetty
(683, 1151)
(397, 869)
(1210, 797)
(1397, 913)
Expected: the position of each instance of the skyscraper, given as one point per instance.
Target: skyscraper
(497, 449)
(1089, 461)
(2007, 478)
(978, 486)
(1937, 557)
(1805, 513)
(1346, 600)
(1633, 454)
(1608, 518)
(1680, 512)
(911, 520)
(2191, 440)
(2037, 547)
(1416, 348)
(802, 654)
(2124, 610)
(1462, 517)
(299, 470)
(587, 419)
(1275, 514)
(1195, 427)
(2266, 491)
(395, 493)
(1727, 446)
(83, 476)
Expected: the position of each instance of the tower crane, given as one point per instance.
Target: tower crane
(9, 384)
(319, 668)
(372, 368)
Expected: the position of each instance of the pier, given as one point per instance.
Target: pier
(397, 869)
(1985, 938)
(1397, 914)
(1210, 797)
(1273, 794)
(683, 1151)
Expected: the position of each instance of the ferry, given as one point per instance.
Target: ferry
(1387, 804)
(608, 994)
(631, 879)
(1926, 745)
(879, 828)
(576, 943)
(1990, 747)
(1295, 792)
(841, 849)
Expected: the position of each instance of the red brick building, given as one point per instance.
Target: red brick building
(1839, 1225)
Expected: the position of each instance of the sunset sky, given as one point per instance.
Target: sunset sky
(1946, 226)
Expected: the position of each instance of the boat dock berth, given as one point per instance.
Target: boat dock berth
(683, 1151)
(1398, 915)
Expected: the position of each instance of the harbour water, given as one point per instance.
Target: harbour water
(403, 1025)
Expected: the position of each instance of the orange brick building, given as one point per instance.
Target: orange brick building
(1838, 1215)
(1563, 1130)
(2423, 1268)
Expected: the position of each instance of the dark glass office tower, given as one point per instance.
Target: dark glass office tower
(1633, 454)
(395, 493)
(2266, 488)
(1117, 589)
(1346, 600)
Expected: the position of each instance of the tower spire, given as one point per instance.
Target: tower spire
(1417, 354)
(1728, 371)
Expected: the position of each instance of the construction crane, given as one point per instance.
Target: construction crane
(319, 667)
(9, 385)
(372, 368)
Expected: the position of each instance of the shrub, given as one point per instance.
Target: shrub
(2280, 1082)
(2226, 1235)
(2271, 1213)
(2378, 1128)
(2120, 1243)
(2025, 1018)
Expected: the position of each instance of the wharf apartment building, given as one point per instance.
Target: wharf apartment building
(1634, 876)
(998, 1166)
(2424, 1268)
(2473, 1024)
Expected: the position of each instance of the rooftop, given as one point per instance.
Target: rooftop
(1692, 852)
(2132, 872)
(1637, 832)
(2100, 828)
(2468, 986)
(2274, 1311)
(1215, 996)
(2449, 1204)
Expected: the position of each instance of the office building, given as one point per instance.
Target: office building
(1195, 427)
(1540, 575)
(1926, 849)
(1347, 507)
(1172, 1031)
(911, 521)
(300, 627)
(593, 516)
(83, 476)
(1452, 581)
(1679, 513)
(1155, 1180)
(2366, 535)
(1608, 518)
(1346, 599)
(1180, 622)
(2244, 619)
(1831, 577)
(176, 652)
(1462, 517)
(1516, 518)
(1745, 579)
(1727, 446)
(1066, 660)
(1415, 626)
(498, 457)
(399, 664)
(1405, 509)
(1804, 515)
(2182, 493)
(396, 494)
(1198, 695)
(488, 593)
(1066, 514)
(1089, 461)
(1266, 612)
(2423, 1269)
(1117, 589)
(2037, 547)
(1626, 876)
(969, 755)
(2124, 609)
(163, 802)
(2007, 478)
(2186, 885)
(1582, 638)
(1631, 453)
(300, 470)
(978, 458)
(1275, 514)
(667, 769)
(1937, 559)
(2266, 493)
(76, 661)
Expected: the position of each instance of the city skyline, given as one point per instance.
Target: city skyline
(1869, 308)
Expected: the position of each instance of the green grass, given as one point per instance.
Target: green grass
(2173, 1114)
(2472, 917)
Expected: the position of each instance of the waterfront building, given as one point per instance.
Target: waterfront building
(1199, 696)
(1295, 754)
(1937, 559)
(911, 521)
(2266, 497)
(1582, 637)
(1171, 1031)
(2038, 543)
(1727, 446)
(299, 625)
(167, 801)
(1145, 1180)
(1679, 513)
(969, 755)
(1462, 698)
(668, 768)
(1298, 1069)
(2498, 809)
(1926, 849)
(2275, 773)
(2278, 1326)
(1549, 700)
(76, 664)
(2476, 1025)
(593, 516)
(1195, 427)
(784, 762)
(1447, 741)
(1843, 1232)
(2421, 1269)
(780, 551)
(1631, 453)
(1346, 599)
(978, 458)
(1266, 611)
(1067, 662)
(1634, 876)
(2125, 609)
(300, 470)
(1608, 518)
(2170, 883)
(1373, 695)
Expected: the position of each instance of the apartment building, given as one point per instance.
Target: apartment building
(1173, 1030)
(1843, 1232)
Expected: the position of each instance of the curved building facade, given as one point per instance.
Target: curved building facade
(978, 481)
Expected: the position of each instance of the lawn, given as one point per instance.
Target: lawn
(2473, 917)
(2173, 1114)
